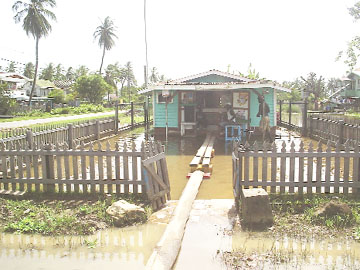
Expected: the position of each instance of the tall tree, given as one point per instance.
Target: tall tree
(92, 87)
(81, 71)
(70, 74)
(29, 70)
(352, 51)
(48, 73)
(105, 33)
(59, 73)
(154, 77)
(34, 15)
(316, 87)
(11, 67)
(130, 78)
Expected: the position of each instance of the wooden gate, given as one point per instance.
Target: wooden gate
(156, 174)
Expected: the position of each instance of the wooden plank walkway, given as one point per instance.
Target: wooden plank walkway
(202, 159)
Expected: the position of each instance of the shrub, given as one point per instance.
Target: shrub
(58, 95)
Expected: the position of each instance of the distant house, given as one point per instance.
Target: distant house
(351, 85)
(206, 94)
(14, 81)
(64, 85)
(42, 88)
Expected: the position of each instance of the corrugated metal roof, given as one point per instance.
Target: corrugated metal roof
(210, 72)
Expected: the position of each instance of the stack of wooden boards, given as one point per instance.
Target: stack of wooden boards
(202, 159)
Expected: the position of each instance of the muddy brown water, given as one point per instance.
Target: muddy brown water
(127, 248)
(131, 247)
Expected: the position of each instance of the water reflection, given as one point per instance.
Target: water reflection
(127, 248)
(304, 253)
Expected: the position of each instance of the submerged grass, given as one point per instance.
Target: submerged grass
(66, 216)
(298, 216)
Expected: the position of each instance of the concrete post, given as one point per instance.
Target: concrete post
(341, 131)
(30, 138)
(97, 130)
(71, 136)
(311, 126)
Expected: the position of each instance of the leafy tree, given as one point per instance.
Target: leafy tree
(59, 75)
(70, 74)
(106, 34)
(81, 71)
(29, 70)
(154, 77)
(116, 75)
(58, 95)
(6, 103)
(252, 73)
(352, 51)
(296, 87)
(130, 78)
(11, 67)
(315, 87)
(92, 87)
(355, 11)
(34, 14)
(48, 73)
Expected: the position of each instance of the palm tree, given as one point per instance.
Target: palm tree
(34, 14)
(105, 33)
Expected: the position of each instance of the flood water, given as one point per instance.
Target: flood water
(289, 253)
(127, 248)
(131, 247)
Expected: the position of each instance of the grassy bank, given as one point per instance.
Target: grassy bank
(66, 111)
(297, 217)
(65, 216)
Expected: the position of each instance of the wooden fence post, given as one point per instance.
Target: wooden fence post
(49, 168)
(116, 117)
(280, 109)
(304, 123)
(341, 131)
(145, 114)
(30, 138)
(97, 130)
(132, 114)
(70, 136)
(290, 112)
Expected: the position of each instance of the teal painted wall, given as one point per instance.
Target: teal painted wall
(160, 114)
(213, 79)
(254, 107)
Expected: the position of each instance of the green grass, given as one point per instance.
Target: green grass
(37, 114)
(288, 208)
(60, 216)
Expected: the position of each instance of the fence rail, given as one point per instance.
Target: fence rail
(58, 168)
(325, 128)
(300, 169)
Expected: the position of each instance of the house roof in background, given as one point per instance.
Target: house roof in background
(209, 73)
(45, 84)
(63, 84)
(192, 83)
(13, 77)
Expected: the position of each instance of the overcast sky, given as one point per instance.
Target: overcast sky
(283, 39)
